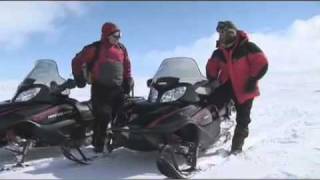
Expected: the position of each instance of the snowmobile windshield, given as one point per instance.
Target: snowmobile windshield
(184, 68)
(44, 72)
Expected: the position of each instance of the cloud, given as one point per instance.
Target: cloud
(7, 89)
(200, 50)
(20, 20)
(296, 48)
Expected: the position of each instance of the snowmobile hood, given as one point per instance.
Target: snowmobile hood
(9, 113)
(7, 107)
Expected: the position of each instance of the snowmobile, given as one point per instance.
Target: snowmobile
(176, 119)
(41, 113)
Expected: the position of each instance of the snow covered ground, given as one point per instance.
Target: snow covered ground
(283, 142)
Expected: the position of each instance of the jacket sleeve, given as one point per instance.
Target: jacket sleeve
(126, 65)
(212, 67)
(257, 61)
(86, 55)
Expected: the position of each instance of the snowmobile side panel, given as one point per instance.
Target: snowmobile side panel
(209, 134)
(53, 133)
(143, 142)
(173, 115)
(16, 115)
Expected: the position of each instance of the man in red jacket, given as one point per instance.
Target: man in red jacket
(106, 65)
(237, 64)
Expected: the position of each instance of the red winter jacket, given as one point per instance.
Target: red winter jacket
(244, 61)
(111, 67)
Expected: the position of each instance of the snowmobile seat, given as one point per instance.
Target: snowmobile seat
(145, 106)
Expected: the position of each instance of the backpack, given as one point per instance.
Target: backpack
(87, 68)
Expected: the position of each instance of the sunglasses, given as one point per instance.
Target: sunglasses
(116, 35)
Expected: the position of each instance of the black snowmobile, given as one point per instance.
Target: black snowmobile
(176, 119)
(41, 113)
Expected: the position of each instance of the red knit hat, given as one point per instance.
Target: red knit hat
(109, 28)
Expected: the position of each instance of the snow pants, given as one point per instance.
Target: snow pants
(106, 102)
(223, 95)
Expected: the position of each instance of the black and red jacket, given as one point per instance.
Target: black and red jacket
(239, 64)
(110, 63)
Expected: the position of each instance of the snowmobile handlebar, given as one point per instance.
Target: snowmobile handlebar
(57, 89)
(206, 87)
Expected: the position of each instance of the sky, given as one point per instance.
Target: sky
(288, 32)
(284, 132)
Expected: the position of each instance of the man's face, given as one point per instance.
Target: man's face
(227, 35)
(114, 37)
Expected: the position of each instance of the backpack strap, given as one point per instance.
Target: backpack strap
(123, 48)
(96, 44)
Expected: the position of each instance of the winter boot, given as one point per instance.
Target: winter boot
(98, 149)
(3, 143)
(98, 144)
(239, 136)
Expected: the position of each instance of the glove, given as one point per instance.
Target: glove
(54, 88)
(69, 84)
(127, 85)
(251, 85)
(214, 85)
(80, 81)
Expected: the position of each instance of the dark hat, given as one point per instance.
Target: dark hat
(225, 25)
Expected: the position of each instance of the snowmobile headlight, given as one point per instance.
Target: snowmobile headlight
(27, 95)
(173, 94)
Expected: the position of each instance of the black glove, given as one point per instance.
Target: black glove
(80, 81)
(127, 85)
(54, 88)
(69, 84)
(251, 85)
(214, 85)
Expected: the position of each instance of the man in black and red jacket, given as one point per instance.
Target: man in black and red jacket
(236, 65)
(106, 65)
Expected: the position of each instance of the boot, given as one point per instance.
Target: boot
(98, 144)
(99, 149)
(237, 143)
(3, 143)
(239, 136)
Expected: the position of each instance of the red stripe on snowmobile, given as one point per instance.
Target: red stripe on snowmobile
(44, 115)
(157, 121)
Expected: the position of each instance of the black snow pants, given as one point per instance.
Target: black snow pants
(224, 94)
(106, 102)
